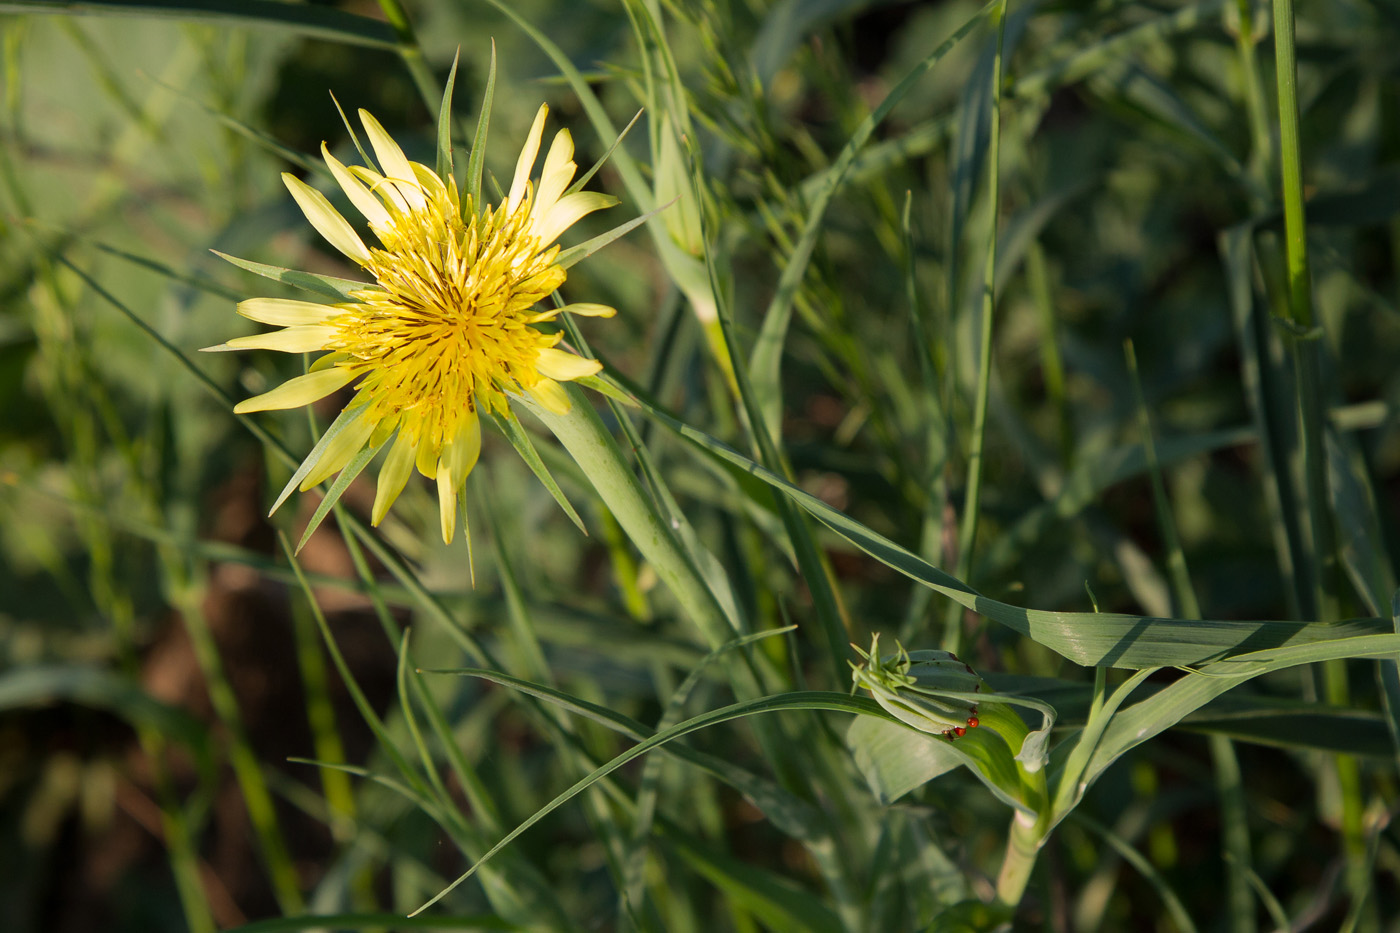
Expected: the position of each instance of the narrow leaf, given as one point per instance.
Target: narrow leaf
(327, 285)
(476, 162)
(342, 482)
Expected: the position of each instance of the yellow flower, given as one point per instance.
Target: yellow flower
(447, 328)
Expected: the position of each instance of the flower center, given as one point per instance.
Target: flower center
(447, 328)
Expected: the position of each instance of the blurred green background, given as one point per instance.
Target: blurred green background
(144, 596)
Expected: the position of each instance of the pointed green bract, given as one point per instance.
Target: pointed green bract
(444, 123)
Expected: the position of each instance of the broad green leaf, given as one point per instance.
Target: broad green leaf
(1087, 638)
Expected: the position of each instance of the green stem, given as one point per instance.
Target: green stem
(1307, 352)
(1307, 348)
(967, 533)
(1022, 848)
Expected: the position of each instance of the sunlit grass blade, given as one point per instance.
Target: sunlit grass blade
(837, 702)
(476, 162)
(773, 900)
(597, 454)
(1085, 60)
(648, 790)
(341, 423)
(261, 139)
(414, 780)
(1091, 639)
(1139, 723)
(317, 22)
(576, 254)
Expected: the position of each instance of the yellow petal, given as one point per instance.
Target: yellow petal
(583, 308)
(302, 390)
(389, 192)
(527, 158)
(395, 164)
(558, 171)
(558, 364)
(429, 181)
(427, 459)
(458, 458)
(447, 503)
(326, 219)
(340, 451)
(329, 360)
(567, 211)
(551, 396)
(285, 312)
(360, 196)
(392, 478)
(461, 455)
(305, 338)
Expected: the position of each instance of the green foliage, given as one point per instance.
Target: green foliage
(876, 267)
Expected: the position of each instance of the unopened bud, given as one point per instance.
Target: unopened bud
(930, 690)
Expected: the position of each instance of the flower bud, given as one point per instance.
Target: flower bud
(930, 690)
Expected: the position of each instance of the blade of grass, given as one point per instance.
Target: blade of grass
(972, 501)
(1169, 898)
(1091, 639)
(809, 700)
(317, 22)
(765, 362)
(342, 482)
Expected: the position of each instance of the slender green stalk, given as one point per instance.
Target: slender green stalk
(967, 532)
(1307, 348)
(1022, 849)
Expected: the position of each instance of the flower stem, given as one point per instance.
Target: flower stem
(1022, 848)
